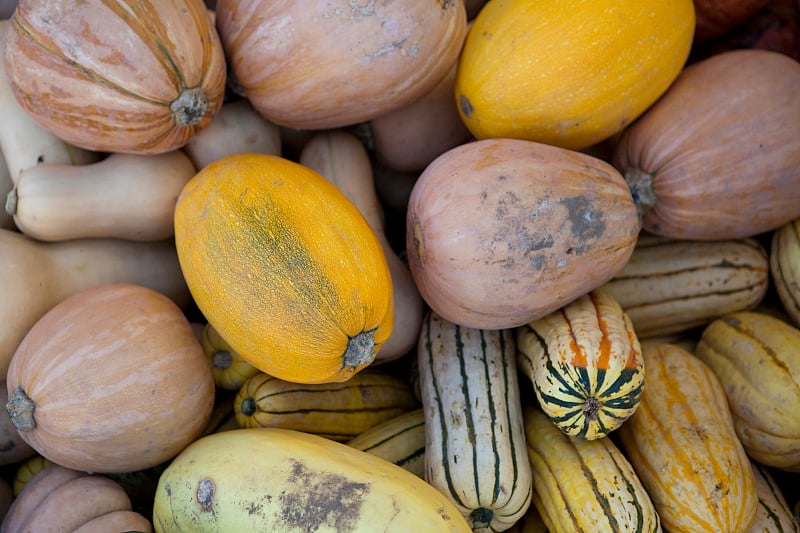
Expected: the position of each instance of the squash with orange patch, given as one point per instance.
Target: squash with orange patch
(284, 267)
(585, 364)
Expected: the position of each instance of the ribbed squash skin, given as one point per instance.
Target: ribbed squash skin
(400, 440)
(784, 262)
(670, 286)
(584, 486)
(338, 411)
(284, 267)
(474, 434)
(585, 364)
(682, 445)
(117, 76)
(774, 514)
(229, 369)
(269, 479)
(757, 359)
(568, 74)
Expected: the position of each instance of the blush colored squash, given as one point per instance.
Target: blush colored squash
(284, 267)
(138, 77)
(501, 232)
(718, 156)
(327, 64)
(569, 73)
(112, 379)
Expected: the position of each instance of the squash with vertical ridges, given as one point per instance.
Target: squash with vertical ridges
(585, 364)
(474, 435)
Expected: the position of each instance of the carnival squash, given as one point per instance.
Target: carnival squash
(784, 264)
(284, 267)
(569, 74)
(337, 63)
(691, 159)
(112, 379)
(137, 77)
(500, 232)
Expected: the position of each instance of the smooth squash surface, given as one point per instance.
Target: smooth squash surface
(284, 267)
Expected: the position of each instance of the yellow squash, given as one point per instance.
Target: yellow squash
(569, 73)
(284, 267)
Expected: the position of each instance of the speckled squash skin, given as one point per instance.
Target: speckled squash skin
(136, 77)
(501, 232)
(569, 74)
(304, 483)
(319, 65)
(284, 267)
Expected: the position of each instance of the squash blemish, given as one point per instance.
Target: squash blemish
(321, 499)
(206, 489)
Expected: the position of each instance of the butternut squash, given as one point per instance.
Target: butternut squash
(124, 196)
(38, 275)
(236, 128)
(34, 493)
(342, 159)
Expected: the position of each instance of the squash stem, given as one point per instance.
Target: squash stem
(20, 409)
(11, 202)
(481, 518)
(641, 185)
(189, 107)
(360, 350)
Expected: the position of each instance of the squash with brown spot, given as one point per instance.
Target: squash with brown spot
(223, 482)
(501, 232)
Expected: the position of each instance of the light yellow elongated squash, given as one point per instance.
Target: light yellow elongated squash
(682, 445)
(582, 485)
(585, 364)
(124, 196)
(671, 285)
(338, 411)
(774, 514)
(38, 275)
(400, 440)
(269, 479)
(757, 359)
(474, 435)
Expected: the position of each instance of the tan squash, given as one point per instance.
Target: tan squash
(34, 493)
(125, 196)
(128, 521)
(691, 158)
(409, 138)
(501, 232)
(112, 379)
(130, 76)
(342, 159)
(23, 142)
(13, 448)
(6, 221)
(683, 446)
(37, 275)
(238, 127)
(367, 58)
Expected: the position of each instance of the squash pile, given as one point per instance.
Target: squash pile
(365, 266)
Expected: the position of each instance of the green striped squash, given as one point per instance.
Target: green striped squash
(670, 285)
(474, 435)
(338, 411)
(400, 440)
(784, 263)
(584, 485)
(774, 514)
(585, 364)
(682, 445)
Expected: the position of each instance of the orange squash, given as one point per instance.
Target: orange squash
(112, 379)
(569, 74)
(317, 65)
(284, 267)
(138, 77)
